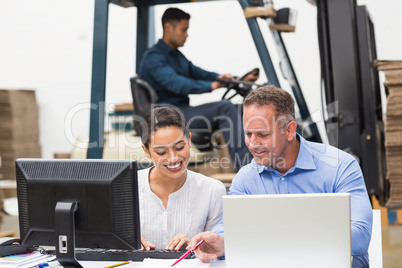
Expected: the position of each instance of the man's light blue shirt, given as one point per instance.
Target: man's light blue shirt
(319, 168)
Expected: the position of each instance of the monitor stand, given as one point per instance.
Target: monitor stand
(65, 234)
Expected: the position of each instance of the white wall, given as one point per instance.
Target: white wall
(46, 45)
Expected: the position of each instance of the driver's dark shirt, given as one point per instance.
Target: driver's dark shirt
(173, 76)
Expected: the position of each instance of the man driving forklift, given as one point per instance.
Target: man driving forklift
(174, 77)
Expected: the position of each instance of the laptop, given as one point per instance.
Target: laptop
(287, 230)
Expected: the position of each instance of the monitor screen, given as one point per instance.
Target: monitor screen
(84, 203)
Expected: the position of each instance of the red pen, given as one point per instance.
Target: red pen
(187, 253)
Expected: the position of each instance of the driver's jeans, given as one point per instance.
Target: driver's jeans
(225, 117)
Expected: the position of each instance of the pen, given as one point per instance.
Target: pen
(187, 253)
(118, 264)
(46, 264)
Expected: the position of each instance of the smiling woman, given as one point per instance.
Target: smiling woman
(175, 203)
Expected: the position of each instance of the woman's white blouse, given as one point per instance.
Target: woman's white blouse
(194, 208)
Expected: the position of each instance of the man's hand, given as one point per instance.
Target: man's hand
(252, 77)
(212, 248)
(146, 245)
(216, 84)
(178, 242)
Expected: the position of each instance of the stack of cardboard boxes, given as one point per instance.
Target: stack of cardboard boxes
(19, 138)
(393, 129)
(19, 129)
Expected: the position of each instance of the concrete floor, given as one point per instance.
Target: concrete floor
(392, 246)
(391, 241)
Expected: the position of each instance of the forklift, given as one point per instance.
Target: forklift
(350, 85)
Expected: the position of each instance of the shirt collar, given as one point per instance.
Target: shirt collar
(304, 159)
(165, 47)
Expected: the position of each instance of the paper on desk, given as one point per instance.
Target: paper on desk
(163, 263)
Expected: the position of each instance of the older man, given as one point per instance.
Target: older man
(285, 163)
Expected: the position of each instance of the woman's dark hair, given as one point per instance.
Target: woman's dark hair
(161, 117)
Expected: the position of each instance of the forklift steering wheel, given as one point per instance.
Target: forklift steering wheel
(241, 87)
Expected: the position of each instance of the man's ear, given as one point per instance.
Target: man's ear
(168, 27)
(189, 138)
(146, 151)
(291, 130)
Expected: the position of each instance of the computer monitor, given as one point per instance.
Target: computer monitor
(83, 203)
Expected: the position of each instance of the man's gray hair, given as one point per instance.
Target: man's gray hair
(277, 97)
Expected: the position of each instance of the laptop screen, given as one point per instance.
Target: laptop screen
(287, 230)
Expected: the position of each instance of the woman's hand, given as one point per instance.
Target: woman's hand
(146, 245)
(179, 241)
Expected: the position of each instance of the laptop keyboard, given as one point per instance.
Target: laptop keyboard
(97, 254)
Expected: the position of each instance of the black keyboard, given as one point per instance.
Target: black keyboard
(97, 254)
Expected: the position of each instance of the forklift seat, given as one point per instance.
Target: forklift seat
(145, 98)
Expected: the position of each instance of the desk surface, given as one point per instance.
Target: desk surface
(100, 264)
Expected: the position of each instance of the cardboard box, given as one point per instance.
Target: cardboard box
(393, 129)
(13, 151)
(18, 116)
(19, 128)
(7, 189)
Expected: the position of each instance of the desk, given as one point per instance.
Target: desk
(101, 264)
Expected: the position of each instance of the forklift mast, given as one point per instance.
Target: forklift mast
(350, 83)
(352, 89)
